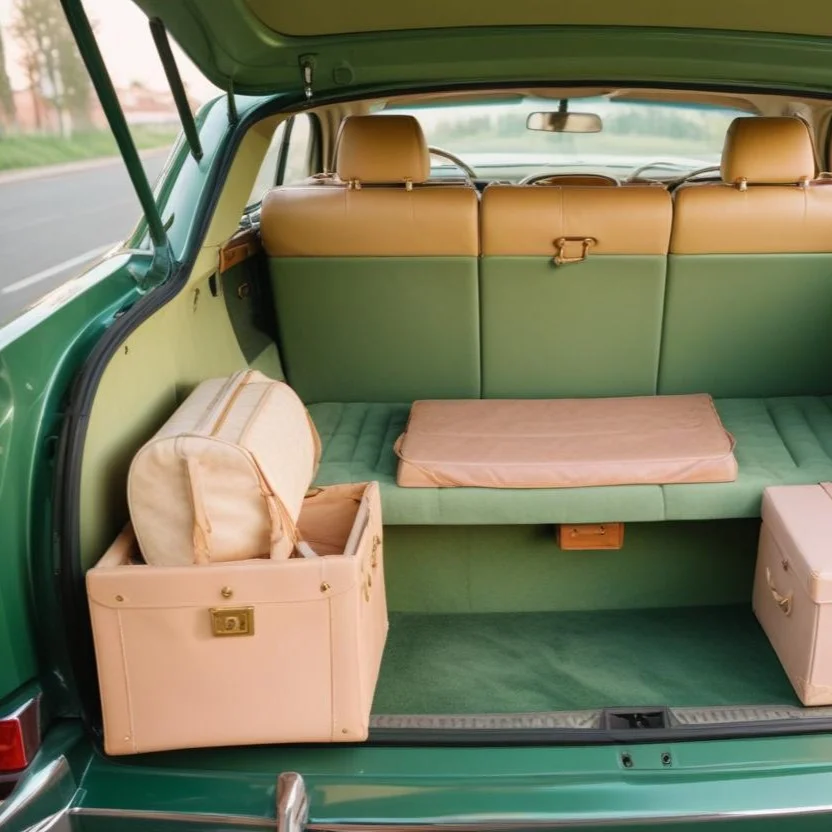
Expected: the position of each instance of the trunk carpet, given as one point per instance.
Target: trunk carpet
(522, 662)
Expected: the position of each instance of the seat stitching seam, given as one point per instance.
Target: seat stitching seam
(780, 433)
(815, 433)
(391, 415)
(359, 434)
(335, 430)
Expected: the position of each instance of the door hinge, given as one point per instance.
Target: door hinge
(307, 69)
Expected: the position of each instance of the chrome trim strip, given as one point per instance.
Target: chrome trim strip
(175, 817)
(489, 824)
(292, 803)
(31, 787)
(469, 824)
(59, 822)
(546, 720)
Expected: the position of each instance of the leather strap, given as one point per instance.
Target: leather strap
(202, 524)
(280, 520)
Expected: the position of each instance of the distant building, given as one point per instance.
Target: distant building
(34, 112)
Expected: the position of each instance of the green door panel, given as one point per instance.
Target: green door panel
(16, 659)
(40, 352)
(247, 294)
(378, 329)
(586, 329)
(748, 325)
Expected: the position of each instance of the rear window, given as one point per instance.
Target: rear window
(664, 139)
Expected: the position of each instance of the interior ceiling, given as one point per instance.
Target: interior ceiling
(751, 102)
(332, 17)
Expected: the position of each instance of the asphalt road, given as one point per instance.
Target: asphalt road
(52, 227)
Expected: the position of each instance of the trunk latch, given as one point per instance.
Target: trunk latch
(634, 719)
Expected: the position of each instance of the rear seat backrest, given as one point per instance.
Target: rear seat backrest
(590, 328)
(749, 296)
(375, 277)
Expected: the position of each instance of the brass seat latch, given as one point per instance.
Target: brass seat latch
(561, 243)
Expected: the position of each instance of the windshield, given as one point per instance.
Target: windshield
(666, 139)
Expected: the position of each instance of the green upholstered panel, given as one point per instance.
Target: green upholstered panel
(784, 441)
(748, 325)
(381, 329)
(779, 441)
(586, 329)
(480, 569)
(357, 444)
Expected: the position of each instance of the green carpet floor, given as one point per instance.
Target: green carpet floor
(532, 662)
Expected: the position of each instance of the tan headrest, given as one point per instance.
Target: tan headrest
(382, 150)
(767, 151)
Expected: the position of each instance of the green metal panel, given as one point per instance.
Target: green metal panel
(36, 367)
(586, 329)
(748, 325)
(739, 779)
(224, 40)
(381, 329)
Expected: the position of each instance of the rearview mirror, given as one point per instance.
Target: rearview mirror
(562, 122)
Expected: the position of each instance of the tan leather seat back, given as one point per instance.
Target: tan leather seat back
(375, 276)
(749, 295)
(764, 203)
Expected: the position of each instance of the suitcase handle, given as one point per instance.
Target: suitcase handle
(783, 601)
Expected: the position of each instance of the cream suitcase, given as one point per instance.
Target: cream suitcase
(204, 488)
(793, 585)
(255, 651)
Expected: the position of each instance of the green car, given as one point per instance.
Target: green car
(597, 219)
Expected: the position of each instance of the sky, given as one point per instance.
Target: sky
(125, 43)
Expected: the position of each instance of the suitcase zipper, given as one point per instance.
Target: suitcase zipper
(230, 403)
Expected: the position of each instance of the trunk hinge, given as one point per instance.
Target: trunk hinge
(307, 69)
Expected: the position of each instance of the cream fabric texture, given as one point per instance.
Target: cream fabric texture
(224, 479)
(565, 443)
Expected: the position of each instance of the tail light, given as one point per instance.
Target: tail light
(19, 736)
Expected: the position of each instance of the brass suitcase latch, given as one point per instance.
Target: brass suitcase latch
(232, 621)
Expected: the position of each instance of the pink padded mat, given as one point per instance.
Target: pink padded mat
(564, 443)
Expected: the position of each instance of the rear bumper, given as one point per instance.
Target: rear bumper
(741, 784)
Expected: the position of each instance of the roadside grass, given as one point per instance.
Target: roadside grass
(30, 151)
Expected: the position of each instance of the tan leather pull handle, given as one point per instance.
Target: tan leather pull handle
(783, 601)
(281, 521)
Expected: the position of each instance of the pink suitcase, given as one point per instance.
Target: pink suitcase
(564, 443)
(246, 652)
(793, 585)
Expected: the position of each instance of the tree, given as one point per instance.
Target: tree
(7, 107)
(52, 61)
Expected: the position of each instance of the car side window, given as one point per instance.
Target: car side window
(298, 151)
(267, 174)
(288, 158)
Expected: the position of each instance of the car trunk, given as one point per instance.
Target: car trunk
(499, 620)
(492, 623)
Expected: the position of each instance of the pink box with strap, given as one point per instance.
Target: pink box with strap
(793, 585)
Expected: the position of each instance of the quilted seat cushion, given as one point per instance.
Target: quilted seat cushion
(779, 441)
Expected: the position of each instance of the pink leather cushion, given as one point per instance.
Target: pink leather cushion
(563, 443)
